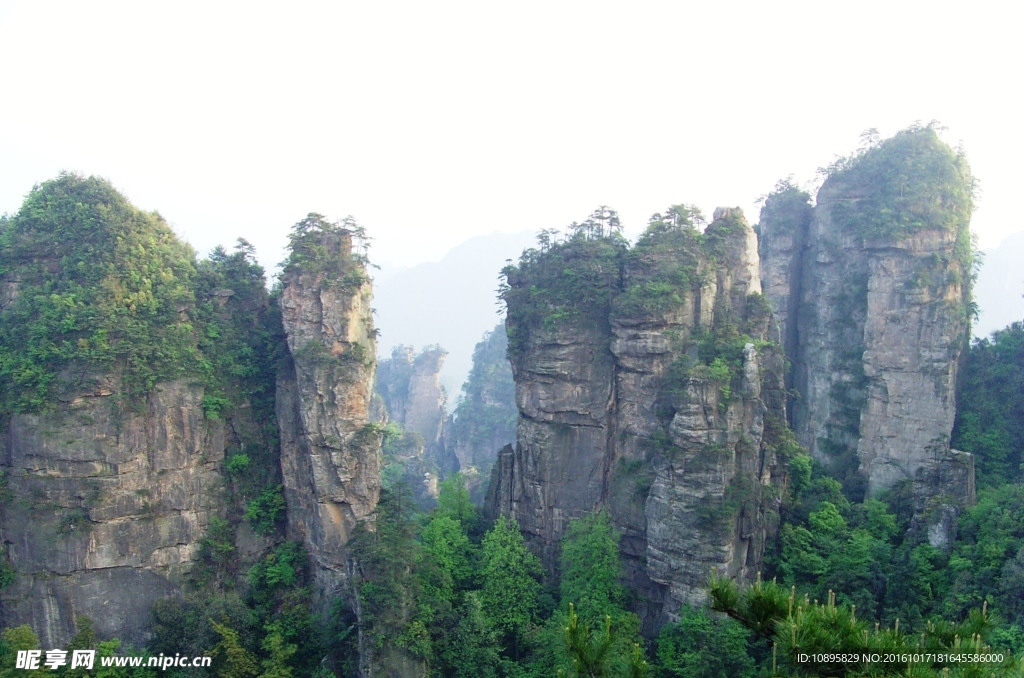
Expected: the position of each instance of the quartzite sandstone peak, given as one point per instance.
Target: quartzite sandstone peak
(409, 384)
(871, 289)
(109, 484)
(330, 450)
(484, 420)
(646, 387)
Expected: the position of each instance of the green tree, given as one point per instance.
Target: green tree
(237, 661)
(991, 535)
(17, 639)
(599, 652)
(453, 501)
(279, 652)
(445, 540)
(510, 574)
(184, 624)
(265, 511)
(388, 586)
(591, 652)
(702, 646)
(591, 568)
(472, 650)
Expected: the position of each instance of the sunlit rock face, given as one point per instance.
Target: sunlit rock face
(330, 452)
(871, 288)
(107, 508)
(657, 397)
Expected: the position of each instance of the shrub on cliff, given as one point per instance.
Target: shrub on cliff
(911, 181)
(564, 281)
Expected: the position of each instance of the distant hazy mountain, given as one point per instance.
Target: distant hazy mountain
(999, 289)
(451, 302)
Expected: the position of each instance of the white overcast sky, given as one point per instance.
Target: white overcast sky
(432, 122)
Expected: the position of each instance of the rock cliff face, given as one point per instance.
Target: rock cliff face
(111, 463)
(942, 487)
(107, 508)
(646, 386)
(330, 451)
(872, 294)
(782, 231)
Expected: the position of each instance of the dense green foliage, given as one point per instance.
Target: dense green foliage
(990, 406)
(911, 182)
(702, 645)
(592, 271)
(99, 292)
(872, 555)
(444, 590)
(241, 342)
(269, 630)
(824, 631)
(590, 567)
(569, 280)
(510, 575)
(99, 286)
(312, 242)
(664, 265)
(23, 637)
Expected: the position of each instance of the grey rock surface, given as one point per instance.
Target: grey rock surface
(681, 462)
(107, 509)
(875, 328)
(330, 451)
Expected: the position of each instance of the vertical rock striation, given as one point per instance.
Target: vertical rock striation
(647, 386)
(716, 474)
(330, 452)
(877, 318)
(559, 347)
(782, 231)
(107, 508)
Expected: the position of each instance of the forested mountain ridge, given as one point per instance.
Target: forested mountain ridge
(484, 420)
(194, 465)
